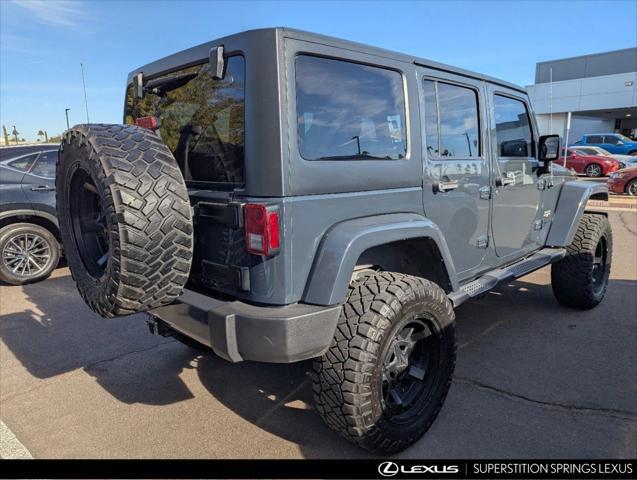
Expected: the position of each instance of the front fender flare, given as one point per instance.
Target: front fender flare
(344, 243)
(570, 207)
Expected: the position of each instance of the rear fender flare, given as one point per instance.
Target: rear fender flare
(344, 243)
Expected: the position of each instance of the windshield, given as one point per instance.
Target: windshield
(624, 139)
(200, 119)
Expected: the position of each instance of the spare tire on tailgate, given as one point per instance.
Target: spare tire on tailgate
(125, 218)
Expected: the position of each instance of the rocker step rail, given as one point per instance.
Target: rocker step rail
(490, 280)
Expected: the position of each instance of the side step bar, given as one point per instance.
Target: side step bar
(491, 279)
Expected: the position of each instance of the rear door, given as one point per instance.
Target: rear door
(517, 221)
(456, 176)
(38, 183)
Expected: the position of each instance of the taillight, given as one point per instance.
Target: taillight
(146, 122)
(262, 229)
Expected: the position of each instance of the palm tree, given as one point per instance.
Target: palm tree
(40, 134)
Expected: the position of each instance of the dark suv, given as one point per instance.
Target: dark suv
(279, 196)
(29, 234)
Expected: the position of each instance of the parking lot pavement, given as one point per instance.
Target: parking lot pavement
(533, 379)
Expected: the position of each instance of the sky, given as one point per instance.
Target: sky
(43, 42)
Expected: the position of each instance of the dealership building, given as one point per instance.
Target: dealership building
(599, 90)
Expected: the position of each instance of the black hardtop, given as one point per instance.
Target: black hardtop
(201, 52)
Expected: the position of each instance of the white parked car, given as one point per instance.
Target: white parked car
(624, 160)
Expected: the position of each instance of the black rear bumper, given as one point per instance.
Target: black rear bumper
(239, 331)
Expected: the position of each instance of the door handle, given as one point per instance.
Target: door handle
(446, 186)
(504, 181)
(42, 188)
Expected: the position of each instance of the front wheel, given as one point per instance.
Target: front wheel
(580, 279)
(386, 374)
(593, 170)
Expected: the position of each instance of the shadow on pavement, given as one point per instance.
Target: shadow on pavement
(59, 334)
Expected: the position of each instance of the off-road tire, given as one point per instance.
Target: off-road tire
(16, 231)
(572, 278)
(146, 215)
(631, 188)
(346, 378)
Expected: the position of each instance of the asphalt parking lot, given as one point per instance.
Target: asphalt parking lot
(533, 379)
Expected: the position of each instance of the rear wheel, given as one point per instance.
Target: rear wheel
(580, 279)
(386, 374)
(29, 253)
(631, 188)
(124, 217)
(593, 170)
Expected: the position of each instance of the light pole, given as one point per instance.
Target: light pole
(66, 112)
(85, 97)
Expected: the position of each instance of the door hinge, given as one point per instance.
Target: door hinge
(482, 242)
(485, 193)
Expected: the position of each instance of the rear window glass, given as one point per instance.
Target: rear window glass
(200, 119)
(348, 111)
(23, 163)
(45, 166)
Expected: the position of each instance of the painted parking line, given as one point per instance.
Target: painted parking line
(10, 446)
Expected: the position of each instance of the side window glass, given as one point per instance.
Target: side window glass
(594, 139)
(348, 111)
(513, 128)
(23, 163)
(452, 123)
(45, 166)
(611, 139)
(431, 119)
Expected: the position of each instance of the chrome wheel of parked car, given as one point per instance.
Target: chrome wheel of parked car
(26, 254)
(593, 170)
(29, 253)
(631, 188)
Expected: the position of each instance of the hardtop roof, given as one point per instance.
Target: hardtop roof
(200, 52)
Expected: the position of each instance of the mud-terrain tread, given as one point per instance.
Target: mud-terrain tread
(571, 277)
(148, 217)
(341, 378)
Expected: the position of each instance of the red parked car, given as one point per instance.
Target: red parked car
(589, 165)
(624, 181)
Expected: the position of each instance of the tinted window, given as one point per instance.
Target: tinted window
(451, 121)
(23, 163)
(347, 111)
(513, 129)
(201, 119)
(592, 139)
(45, 166)
(611, 139)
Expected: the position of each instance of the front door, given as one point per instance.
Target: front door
(456, 170)
(517, 222)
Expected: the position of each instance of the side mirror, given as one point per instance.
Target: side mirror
(549, 148)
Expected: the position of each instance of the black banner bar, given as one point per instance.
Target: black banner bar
(354, 469)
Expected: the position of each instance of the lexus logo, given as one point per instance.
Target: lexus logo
(388, 469)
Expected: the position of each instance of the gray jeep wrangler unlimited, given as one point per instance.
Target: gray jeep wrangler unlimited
(278, 196)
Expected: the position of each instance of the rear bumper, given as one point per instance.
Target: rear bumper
(239, 331)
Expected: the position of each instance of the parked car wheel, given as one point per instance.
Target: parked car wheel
(29, 253)
(631, 188)
(593, 170)
(580, 279)
(632, 152)
(386, 374)
(125, 218)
